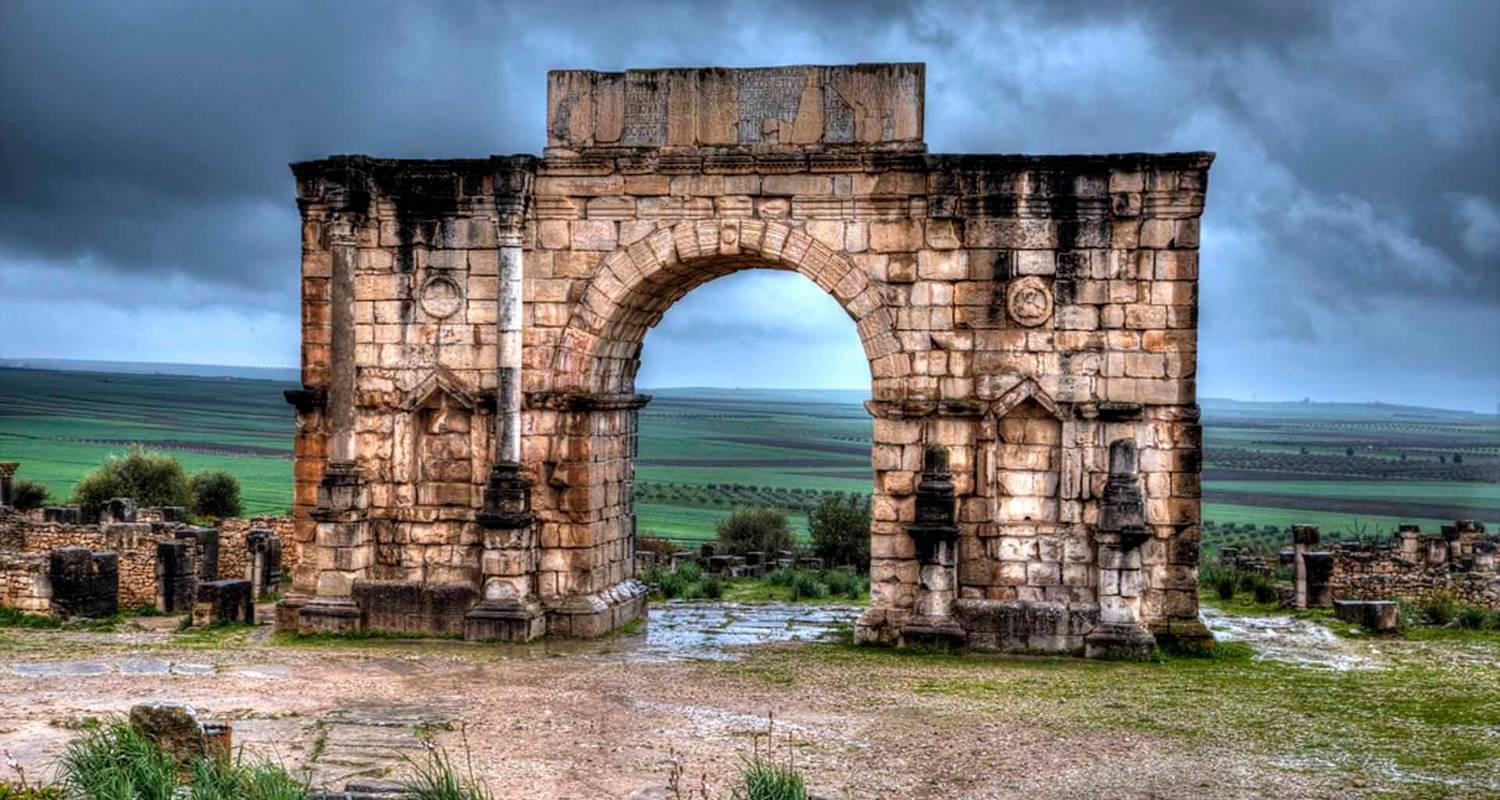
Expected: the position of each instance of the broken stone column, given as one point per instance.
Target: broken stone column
(935, 534)
(263, 562)
(7, 474)
(1437, 546)
(1304, 539)
(1118, 536)
(508, 609)
(84, 583)
(205, 545)
(1409, 541)
(223, 602)
(175, 582)
(1469, 532)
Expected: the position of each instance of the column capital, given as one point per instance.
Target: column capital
(514, 178)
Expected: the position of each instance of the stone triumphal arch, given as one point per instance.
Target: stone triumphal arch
(472, 329)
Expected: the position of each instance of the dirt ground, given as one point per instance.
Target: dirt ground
(607, 719)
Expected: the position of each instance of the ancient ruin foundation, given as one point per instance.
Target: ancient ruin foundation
(472, 331)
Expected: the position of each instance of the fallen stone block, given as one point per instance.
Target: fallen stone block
(1381, 616)
(176, 729)
(224, 602)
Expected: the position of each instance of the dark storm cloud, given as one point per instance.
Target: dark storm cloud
(1354, 214)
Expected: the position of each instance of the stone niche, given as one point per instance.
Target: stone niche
(472, 328)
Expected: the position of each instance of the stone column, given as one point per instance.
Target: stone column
(7, 473)
(1304, 539)
(340, 533)
(1118, 536)
(1409, 539)
(508, 610)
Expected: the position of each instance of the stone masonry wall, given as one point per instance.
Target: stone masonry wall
(1461, 563)
(23, 583)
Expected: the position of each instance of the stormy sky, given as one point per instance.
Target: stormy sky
(1351, 247)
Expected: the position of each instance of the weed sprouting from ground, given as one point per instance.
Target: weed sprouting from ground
(436, 777)
(764, 776)
(1440, 608)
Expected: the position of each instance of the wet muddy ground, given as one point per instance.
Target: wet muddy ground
(695, 686)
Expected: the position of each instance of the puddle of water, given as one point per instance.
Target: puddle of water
(1293, 641)
(712, 631)
(71, 669)
(136, 666)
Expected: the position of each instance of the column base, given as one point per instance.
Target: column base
(1122, 640)
(329, 615)
(590, 615)
(1190, 634)
(505, 621)
(287, 611)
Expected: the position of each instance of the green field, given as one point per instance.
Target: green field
(1352, 469)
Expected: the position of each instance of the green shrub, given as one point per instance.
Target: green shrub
(216, 494)
(1472, 617)
(13, 618)
(782, 577)
(711, 589)
(763, 779)
(1265, 593)
(1225, 585)
(1439, 608)
(748, 529)
(670, 585)
(149, 478)
(843, 584)
(27, 495)
(806, 586)
(690, 572)
(840, 532)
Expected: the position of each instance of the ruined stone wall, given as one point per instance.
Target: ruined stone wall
(23, 583)
(1417, 568)
(233, 555)
(1023, 312)
(23, 537)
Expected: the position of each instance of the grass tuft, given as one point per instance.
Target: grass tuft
(436, 777)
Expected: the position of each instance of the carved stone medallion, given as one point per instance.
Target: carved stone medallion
(442, 297)
(1029, 301)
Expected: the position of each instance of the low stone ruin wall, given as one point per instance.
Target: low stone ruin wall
(1361, 574)
(26, 541)
(1461, 562)
(23, 583)
(233, 553)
